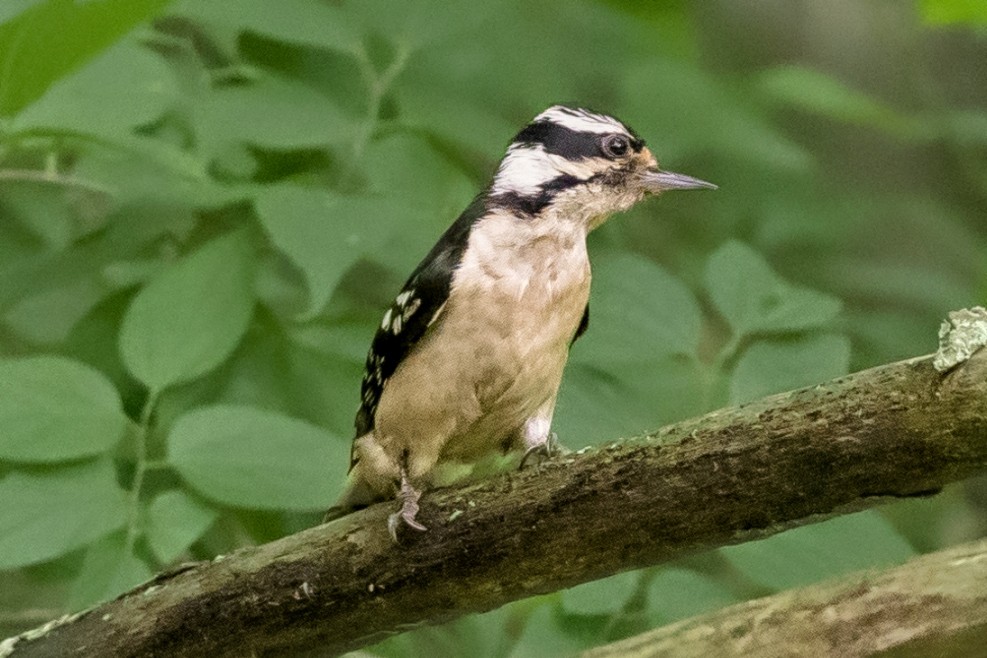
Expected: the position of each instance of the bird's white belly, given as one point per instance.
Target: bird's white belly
(510, 379)
(493, 357)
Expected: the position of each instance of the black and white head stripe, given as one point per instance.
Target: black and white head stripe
(561, 147)
(578, 120)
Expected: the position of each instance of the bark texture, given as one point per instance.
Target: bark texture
(732, 475)
(935, 605)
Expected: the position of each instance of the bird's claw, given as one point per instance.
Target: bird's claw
(542, 451)
(396, 519)
(408, 496)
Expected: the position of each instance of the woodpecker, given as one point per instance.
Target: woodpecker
(468, 359)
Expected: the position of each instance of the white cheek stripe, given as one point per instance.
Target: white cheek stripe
(526, 168)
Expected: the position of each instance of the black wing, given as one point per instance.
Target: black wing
(583, 325)
(414, 309)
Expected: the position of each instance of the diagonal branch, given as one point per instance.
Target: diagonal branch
(732, 475)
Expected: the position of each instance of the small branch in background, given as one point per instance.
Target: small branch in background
(39, 176)
(378, 85)
(141, 433)
(934, 605)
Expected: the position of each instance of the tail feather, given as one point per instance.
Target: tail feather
(337, 512)
(357, 495)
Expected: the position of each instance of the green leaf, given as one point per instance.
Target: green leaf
(635, 368)
(704, 113)
(596, 406)
(108, 570)
(44, 515)
(461, 120)
(271, 112)
(324, 233)
(601, 597)
(151, 177)
(812, 553)
(486, 635)
(126, 86)
(191, 316)
(543, 635)
(912, 284)
(776, 366)
(406, 166)
(325, 399)
(44, 209)
(13, 8)
(415, 24)
(93, 341)
(754, 299)
(967, 127)
(800, 309)
(676, 594)
(625, 399)
(740, 283)
(818, 92)
(946, 12)
(307, 22)
(53, 409)
(48, 317)
(174, 521)
(47, 41)
(255, 459)
(638, 311)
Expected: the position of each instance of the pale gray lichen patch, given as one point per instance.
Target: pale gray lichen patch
(963, 334)
(8, 646)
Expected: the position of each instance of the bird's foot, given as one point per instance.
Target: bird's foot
(542, 452)
(408, 496)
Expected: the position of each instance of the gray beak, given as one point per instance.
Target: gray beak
(655, 181)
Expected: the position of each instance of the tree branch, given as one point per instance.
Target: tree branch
(727, 477)
(935, 605)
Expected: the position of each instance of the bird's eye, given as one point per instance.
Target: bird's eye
(615, 146)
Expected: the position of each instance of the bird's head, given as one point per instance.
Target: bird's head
(573, 163)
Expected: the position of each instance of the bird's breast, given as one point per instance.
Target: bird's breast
(528, 285)
(518, 297)
(496, 352)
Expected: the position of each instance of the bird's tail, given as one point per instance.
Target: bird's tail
(357, 495)
(337, 512)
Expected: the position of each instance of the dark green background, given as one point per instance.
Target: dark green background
(205, 206)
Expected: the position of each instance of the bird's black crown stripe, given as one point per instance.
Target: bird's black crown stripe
(566, 142)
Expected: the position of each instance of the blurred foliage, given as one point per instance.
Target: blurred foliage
(202, 217)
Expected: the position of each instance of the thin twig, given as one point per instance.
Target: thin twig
(39, 176)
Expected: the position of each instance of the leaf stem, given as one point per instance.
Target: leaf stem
(140, 469)
(54, 177)
(729, 351)
(379, 85)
